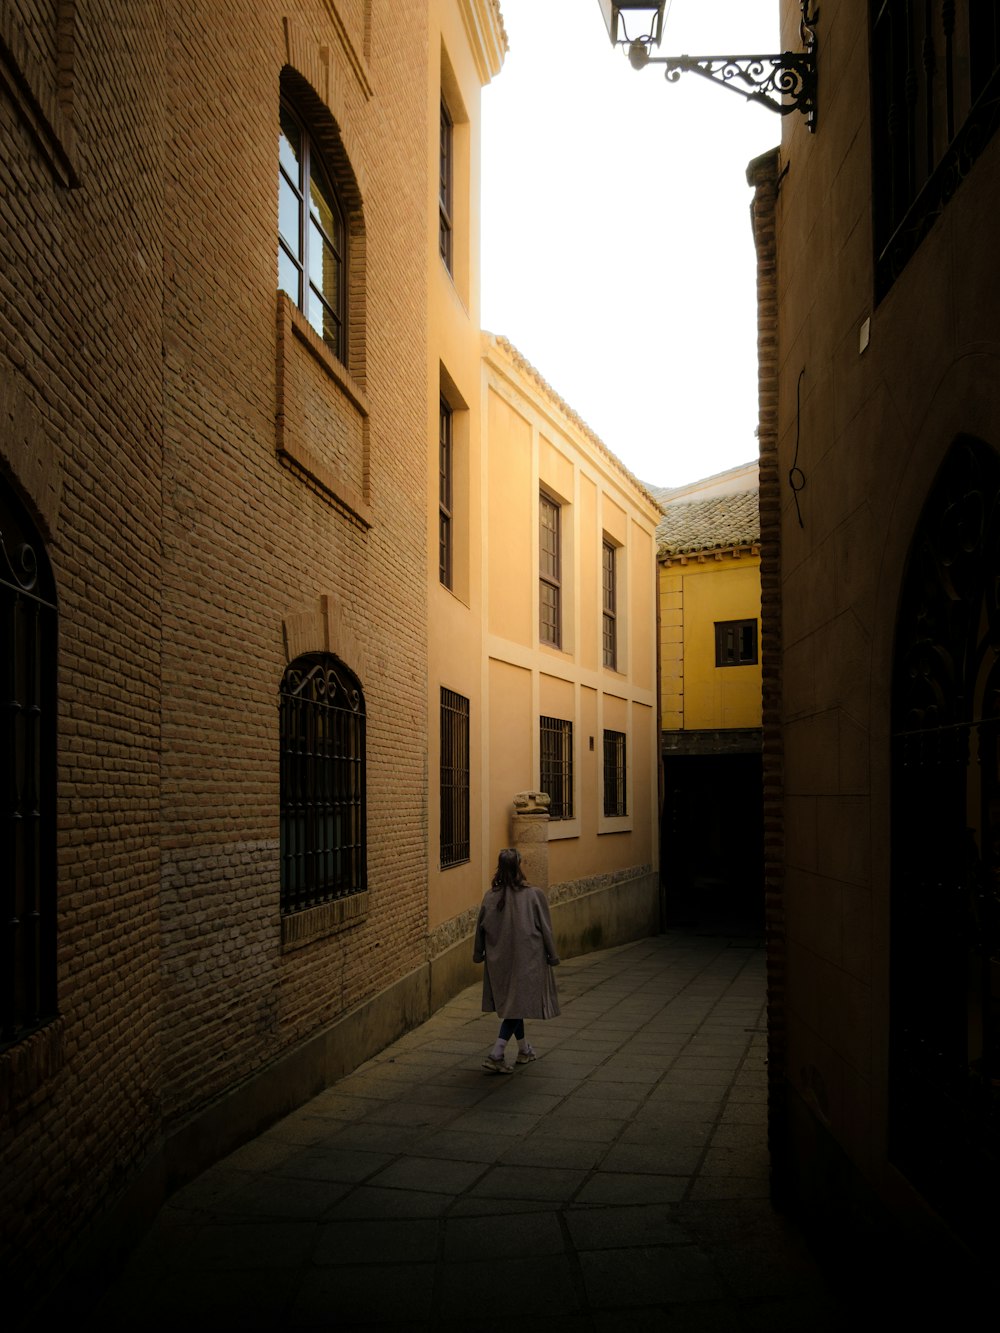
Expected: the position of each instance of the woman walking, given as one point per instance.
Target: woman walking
(514, 939)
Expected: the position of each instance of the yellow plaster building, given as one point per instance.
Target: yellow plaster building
(708, 553)
(542, 666)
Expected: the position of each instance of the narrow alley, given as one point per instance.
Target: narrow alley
(620, 1181)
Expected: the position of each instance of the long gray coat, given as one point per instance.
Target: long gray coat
(519, 952)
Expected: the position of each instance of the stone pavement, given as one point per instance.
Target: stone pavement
(619, 1182)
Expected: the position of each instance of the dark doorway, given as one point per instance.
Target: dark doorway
(712, 842)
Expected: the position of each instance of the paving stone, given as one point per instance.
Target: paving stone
(365, 1294)
(617, 1188)
(529, 1182)
(509, 1237)
(431, 1174)
(626, 1226)
(648, 1275)
(393, 1240)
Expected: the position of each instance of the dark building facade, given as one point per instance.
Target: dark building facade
(880, 425)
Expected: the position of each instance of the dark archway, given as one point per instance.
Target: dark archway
(944, 1090)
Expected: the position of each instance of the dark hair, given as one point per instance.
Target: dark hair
(509, 874)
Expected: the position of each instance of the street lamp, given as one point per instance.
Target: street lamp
(783, 83)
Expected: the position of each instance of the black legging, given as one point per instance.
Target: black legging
(511, 1027)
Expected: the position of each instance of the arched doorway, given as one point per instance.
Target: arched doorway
(944, 1089)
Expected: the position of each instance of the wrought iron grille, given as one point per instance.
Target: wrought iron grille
(549, 573)
(454, 778)
(609, 571)
(323, 830)
(935, 70)
(615, 799)
(28, 642)
(944, 1090)
(556, 775)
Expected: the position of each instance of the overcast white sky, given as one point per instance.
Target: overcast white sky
(617, 253)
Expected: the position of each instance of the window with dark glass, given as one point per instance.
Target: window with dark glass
(311, 235)
(735, 642)
(549, 573)
(609, 557)
(28, 628)
(454, 778)
(935, 75)
(556, 767)
(445, 187)
(615, 802)
(323, 827)
(445, 487)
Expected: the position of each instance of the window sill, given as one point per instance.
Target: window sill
(454, 865)
(316, 923)
(321, 421)
(29, 1063)
(614, 824)
(564, 828)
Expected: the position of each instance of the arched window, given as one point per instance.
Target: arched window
(27, 756)
(323, 829)
(944, 1088)
(312, 236)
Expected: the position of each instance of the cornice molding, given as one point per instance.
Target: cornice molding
(487, 36)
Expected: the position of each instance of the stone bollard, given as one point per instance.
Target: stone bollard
(529, 833)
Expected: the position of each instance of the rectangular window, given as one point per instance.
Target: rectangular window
(735, 642)
(445, 470)
(615, 802)
(454, 779)
(549, 573)
(935, 78)
(556, 768)
(445, 179)
(609, 578)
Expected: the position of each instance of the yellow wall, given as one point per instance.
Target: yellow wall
(695, 693)
(534, 443)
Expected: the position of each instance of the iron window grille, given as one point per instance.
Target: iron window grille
(556, 767)
(28, 646)
(323, 817)
(445, 471)
(735, 643)
(311, 235)
(615, 798)
(445, 187)
(454, 779)
(609, 563)
(549, 572)
(935, 86)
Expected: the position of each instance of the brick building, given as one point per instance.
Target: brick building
(218, 659)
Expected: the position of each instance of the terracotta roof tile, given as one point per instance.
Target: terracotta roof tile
(718, 523)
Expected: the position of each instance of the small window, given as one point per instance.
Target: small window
(454, 779)
(556, 768)
(549, 573)
(735, 642)
(28, 771)
(445, 491)
(615, 801)
(311, 235)
(610, 584)
(445, 187)
(323, 833)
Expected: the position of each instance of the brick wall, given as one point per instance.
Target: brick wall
(137, 419)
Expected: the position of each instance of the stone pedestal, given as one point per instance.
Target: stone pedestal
(529, 833)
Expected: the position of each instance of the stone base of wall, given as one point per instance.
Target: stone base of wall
(595, 913)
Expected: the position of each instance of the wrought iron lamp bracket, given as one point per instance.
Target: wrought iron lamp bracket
(784, 83)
